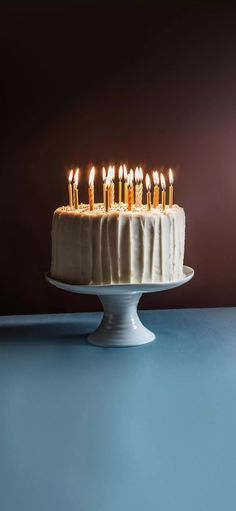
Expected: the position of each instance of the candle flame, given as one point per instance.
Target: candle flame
(91, 176)
(76, 178)
(129, 179)
(131, 175)
(108, 182)
(155, 177)
(140, 174)
(125, 172)
(163, 182)
(70, 177)
(120, 172)
(110, 173)
(136, 175)
(104, 174)
(148, 182)
(171, 179)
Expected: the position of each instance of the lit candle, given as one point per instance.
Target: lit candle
(130, 192)
(111, 187)
(148, 187)
(104, 186)
(70, 177)
(163, 194)
(156, 189)
(125, 174)
(91, 189)
(76, 193)
(120, 183)
(140, 186)
(137, 193)
(171, 180)
(131, 174)
(111, 175)
(108, 195)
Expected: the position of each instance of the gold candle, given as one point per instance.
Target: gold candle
(137, 187)
(120, 183)
(125, 185)
(171, 191)
(148, 188)
(113, 186)
(70, 177)
(108, 195)
(140, 186)
(131, 174)
(111, 176)
(130, 193)
(104, 186)
(126, 192)
(91, 189)
(76, 193)
(156, 189)
(163, 194)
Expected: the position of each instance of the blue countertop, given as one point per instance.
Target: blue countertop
(94, 429)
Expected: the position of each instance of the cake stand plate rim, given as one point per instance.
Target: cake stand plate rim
(97, 289)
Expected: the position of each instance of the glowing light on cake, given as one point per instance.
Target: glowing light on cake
(130, 188)
(70, 178)
(171, 191)
(91, 188)
(156, 188)
(148, 188)
(163, 194)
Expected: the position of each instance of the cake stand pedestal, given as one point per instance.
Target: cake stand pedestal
(121, 325)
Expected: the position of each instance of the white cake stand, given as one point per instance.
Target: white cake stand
(121, 325)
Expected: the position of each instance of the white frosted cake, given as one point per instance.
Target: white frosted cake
(119, 246)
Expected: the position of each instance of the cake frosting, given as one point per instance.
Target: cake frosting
(128, 247)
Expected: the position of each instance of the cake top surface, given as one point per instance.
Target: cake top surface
(117, 210)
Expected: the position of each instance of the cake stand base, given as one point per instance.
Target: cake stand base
(121, 325)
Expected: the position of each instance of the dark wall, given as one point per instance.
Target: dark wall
(152, 85)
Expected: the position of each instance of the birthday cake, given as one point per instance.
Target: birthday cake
(123, 243)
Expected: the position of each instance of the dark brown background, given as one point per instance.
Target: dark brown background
(152, 85)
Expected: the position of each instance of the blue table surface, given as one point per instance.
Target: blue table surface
(88, 429)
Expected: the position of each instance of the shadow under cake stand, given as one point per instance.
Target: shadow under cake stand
(121, 325)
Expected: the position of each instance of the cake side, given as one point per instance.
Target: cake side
(93, 247)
